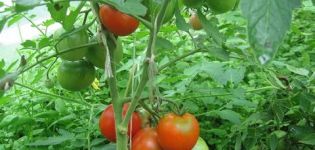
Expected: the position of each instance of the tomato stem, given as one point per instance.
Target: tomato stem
(149, 55)
(121, 131)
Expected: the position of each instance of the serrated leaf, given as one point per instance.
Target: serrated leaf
(211, 28)
(58, 11)
(29, 44)
(68, 23)
(4, 100)
(164, 44)
(51, 141)
(3, 21)
(23, 5)
(309, 139)
(180, 21)
(230, 115)
(134, 7)
(218, 53)
(299, 71)
(14, 19)
(268, 22)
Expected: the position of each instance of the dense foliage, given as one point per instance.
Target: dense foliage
(248, 76)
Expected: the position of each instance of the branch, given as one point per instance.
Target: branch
(54, 95)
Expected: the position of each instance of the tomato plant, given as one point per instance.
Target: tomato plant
(219, 6)
(178, 132)
(75, 75)
(72, 40)
(97, 54)
(146, 139)
(107, 123)
(195, 22)
(119, 23)
(248, 76)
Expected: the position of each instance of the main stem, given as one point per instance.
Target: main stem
(149, 59)
(121, 133)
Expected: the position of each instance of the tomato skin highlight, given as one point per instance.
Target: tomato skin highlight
(107, 123)
(75, 75)
(117, 22)
(195, 23)
(146, 139)
(178, 132)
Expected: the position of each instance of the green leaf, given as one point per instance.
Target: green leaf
(299, 71)
(29, 44)
(58, 10)
(219, 53)
(3, 21)
(14, 19)
(44, 42)
(268, 22)
(273, 141)
(218, 72)
(162, 43)
(51, 141)
(68, 23)
(23, 5)
(211, 28)
(308, 139)
(4, 100)
(134, 7)
(180, 22)
(230, 115)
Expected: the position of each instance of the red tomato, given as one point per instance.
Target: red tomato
(117, 22)
(178, 132)
(107, 123)
(146, 139)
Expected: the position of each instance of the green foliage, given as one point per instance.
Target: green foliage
(239, 103)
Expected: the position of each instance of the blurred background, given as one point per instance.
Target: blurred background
(12, 36)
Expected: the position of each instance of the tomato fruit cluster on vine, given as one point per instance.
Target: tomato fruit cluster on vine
(77, 71)
(173, 132)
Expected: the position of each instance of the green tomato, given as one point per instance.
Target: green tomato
(75, 75)
(221, 6)
(97, 54)
(201, 145)
(49, 83)
(193, 3)
(74, 40)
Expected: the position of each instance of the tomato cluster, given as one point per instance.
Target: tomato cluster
(76, 73)
(173, 132)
